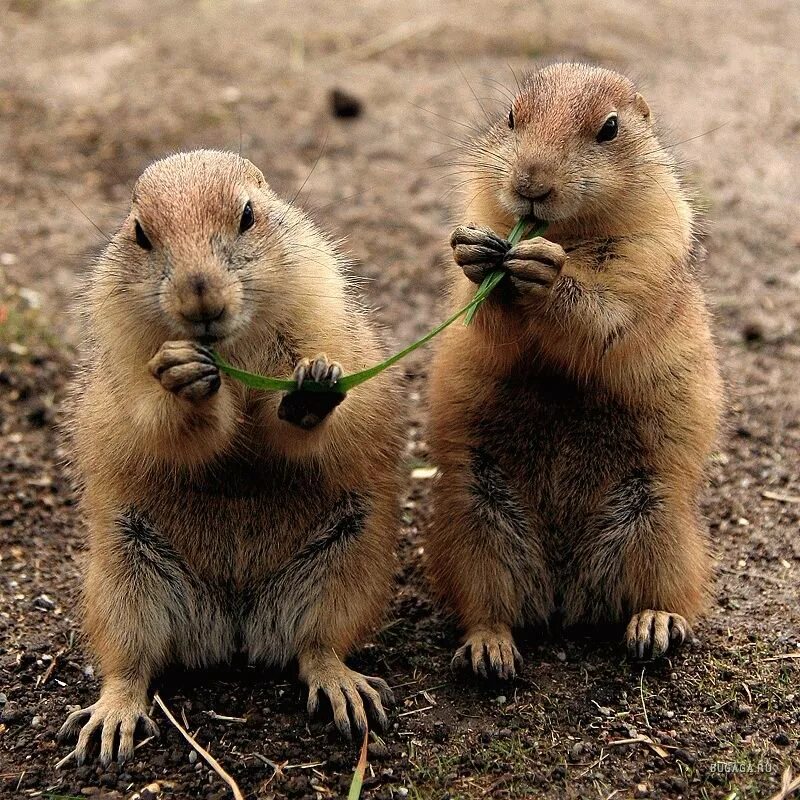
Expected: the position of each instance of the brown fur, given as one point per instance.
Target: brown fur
(213, 525)
(571, 422)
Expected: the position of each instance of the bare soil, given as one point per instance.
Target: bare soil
(90, 93)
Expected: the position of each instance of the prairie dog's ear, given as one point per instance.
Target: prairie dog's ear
(641, 106)
(254, 172)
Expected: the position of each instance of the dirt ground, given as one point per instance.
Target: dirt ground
(90, 93)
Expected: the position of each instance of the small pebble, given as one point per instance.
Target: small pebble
(642, 790)
(192, 756)
(344, 105)
(378, 750)
(501, 700)
(36, 722)
(401, 791)
(781, 738)
(44, 602)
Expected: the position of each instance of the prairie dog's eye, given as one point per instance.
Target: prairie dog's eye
(248, 218)
(511, 119)
(141, 237)
(610, 128)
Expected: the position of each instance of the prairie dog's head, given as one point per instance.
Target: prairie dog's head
(573, 142)
(203, 249)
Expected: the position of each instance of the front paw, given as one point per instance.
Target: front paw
(534, 264)
(478, 251)
(186, 369)
(307, 409)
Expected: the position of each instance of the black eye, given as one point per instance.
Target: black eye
(141, 237)
(609, 129)
(248, 218)
(511, 119)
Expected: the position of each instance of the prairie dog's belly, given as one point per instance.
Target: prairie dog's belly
(562, 447)
(236, 521)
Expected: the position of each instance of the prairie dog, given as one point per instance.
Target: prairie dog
(221, 519)
(572, 421)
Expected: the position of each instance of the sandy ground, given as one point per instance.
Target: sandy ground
(90, 93)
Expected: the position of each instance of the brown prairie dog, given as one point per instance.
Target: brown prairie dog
(221, 519)
(572, 421)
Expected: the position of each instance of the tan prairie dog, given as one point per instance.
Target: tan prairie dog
(221, 519)
(572, 420)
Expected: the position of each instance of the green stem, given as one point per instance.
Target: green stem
(522, 229)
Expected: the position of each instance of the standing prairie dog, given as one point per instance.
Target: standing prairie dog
(221, 519)
(572, 421)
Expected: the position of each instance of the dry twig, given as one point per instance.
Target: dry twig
(212, 762)
(789, 785)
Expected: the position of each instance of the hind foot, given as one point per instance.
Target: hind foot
(353, 697)
(650, 634)
(490, 652)
(115, 716)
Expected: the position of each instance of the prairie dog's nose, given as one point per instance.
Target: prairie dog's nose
(199, 300)
(533, 183)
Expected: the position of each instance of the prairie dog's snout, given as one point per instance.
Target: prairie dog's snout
(203, 300)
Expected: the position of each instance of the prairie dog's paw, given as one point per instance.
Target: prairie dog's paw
(318, 369)
(354, 698)
(490, 652)
(307, 409)
(534, 264)
(650, 634)
(477, 251)
(115, 717)
(186, 369)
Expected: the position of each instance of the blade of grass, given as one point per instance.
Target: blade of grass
(523, 229)
(349, 382)
(358, 775)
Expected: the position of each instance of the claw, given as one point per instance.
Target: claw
(490, 652)
(651, 634)
(114, 718)
(354, 698)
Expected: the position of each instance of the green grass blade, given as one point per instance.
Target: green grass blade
(522, 229)
(358, 775)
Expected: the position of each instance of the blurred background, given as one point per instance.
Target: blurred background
(376, 94)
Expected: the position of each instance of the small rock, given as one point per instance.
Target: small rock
(378, 750)
(44, 602)
(192, 756)
(576, 751)
(642, 790)
(3, 698)
(11, 713)
(36, 722)
(781, 738)
(753, 332)
(501, 700)
(742, 710)
(401, 791)
(344, 105)
(151, 791)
